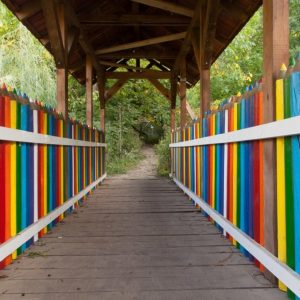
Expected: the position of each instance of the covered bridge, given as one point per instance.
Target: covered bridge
(137, 237)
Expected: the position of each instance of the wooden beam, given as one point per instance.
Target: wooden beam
(73, 36)
(233, 10)
(159, 65)
(163, 90)
(209, 31)
(190, 111)
(143, 43)
(83, 40)
(54, 33)
(62, 74)
(101, 89)
(134, 20)
(173, 92)
(141, 53)
(62, 91)
(28, 9)
(186, 45)
(182, 94)
(205, 91)
(89, 91)
(166, 93)
(168, 6)
(275, 52)
(114, 89)
(172, 119)
(138, 75)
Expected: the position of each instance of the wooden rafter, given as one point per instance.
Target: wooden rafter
(141, 53)
(28, 9)
(168, 6)
(125, 66)
(83, 40)
(142, 43)
(54, 32)
(138, 75)
(134, 19)
(159, 65)
(209, 31)
(167, 94)
(234, 10)
(163, 90)
(186, 45)
(114, 89)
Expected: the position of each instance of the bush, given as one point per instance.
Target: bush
(163, 151)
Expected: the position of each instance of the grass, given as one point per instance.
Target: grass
(125, 163)
(163, 152)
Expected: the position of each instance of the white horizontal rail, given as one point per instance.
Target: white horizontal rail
(22, 136)
(286, 127)
(22, 237)
(285, 274)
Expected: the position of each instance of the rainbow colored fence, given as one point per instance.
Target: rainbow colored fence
(219, 161)
(45, 161)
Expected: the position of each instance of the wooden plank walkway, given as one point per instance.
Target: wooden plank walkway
(135, 238)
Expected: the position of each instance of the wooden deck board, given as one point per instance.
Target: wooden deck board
(135, 239)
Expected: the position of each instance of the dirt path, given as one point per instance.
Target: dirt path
(147, 168)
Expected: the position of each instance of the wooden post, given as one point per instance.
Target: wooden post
(62, 91)
(182, 92)
(101, 89)
(89, 91)
(205, 90)
(276, 52)
(173, 95)
(62, 71)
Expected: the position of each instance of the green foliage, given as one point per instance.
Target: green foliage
(137, 102)
(294, 19)
(24, 63)
(163, 151)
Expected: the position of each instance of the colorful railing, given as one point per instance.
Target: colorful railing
(218, 161)
(47, 165)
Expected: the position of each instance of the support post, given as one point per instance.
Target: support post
(101, 89)
(173, 95)
(205, 90)
(62, 91)
(62, 70)
(276, 52)
(89, 91)
(182, 92)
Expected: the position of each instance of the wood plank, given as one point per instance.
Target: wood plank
(168, 6)
(143, 43)
(169, 251)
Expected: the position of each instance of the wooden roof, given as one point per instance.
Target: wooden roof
(114, 31)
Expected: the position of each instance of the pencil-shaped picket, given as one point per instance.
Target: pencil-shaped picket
(228, 175)
(39, 172)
